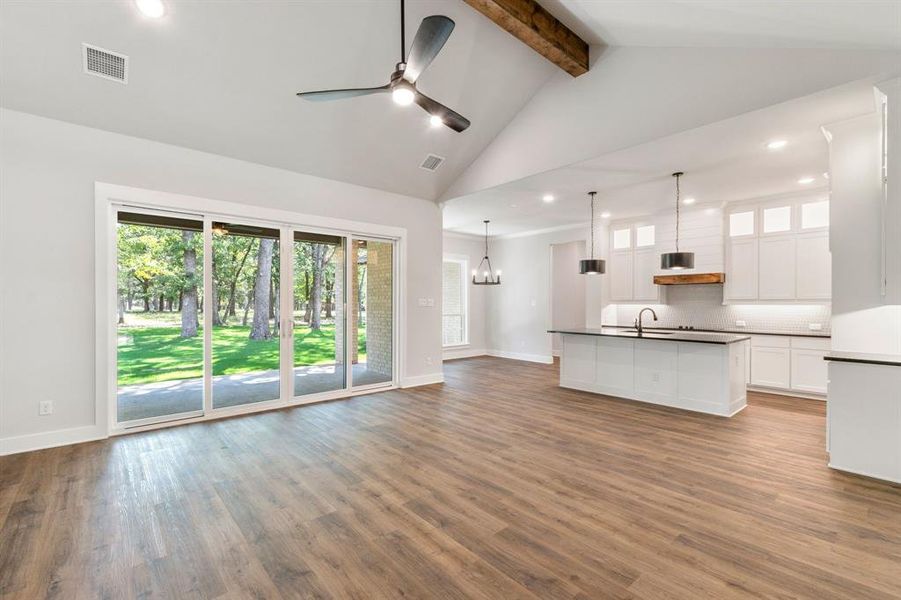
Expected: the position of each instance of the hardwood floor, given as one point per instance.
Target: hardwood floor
(497, 484)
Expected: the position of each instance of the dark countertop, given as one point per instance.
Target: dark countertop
(811, 334)
(892, 360)
(674, 336)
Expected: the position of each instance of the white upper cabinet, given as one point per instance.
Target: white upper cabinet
(645, 263)
(620, 273)
(741, 278)
(633, 263)
(779, 252)
(813, 267)
(776, 268)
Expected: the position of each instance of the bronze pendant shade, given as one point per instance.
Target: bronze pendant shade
(592, 266)
(675, 261)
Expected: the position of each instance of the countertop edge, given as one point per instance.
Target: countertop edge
(662, 338)
(864, 358)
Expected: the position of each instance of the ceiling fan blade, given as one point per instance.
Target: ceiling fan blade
(324, 95)
(433, 33)
(451, 118)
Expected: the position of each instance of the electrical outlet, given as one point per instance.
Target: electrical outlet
(815, 326)
(428, 360)
(45, 407)
(741, 323)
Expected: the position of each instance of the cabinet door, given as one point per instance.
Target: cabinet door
(741, 273)
(645, 264)
(809, 371)
(814, 267)
(621, 276)
(777, 269)
(770, 367)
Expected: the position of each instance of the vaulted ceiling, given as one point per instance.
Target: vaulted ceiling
(221, 77)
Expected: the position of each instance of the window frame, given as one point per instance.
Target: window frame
(463, 261)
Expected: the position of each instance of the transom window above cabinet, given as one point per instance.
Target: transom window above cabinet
(644, 236)
(741, 223)
(815, 215)
(622, 239)
(777, 218)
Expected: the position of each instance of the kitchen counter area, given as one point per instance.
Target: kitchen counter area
(702, 372)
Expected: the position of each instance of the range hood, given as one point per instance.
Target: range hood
(689, 278)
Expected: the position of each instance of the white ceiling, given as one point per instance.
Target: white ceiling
(723, 162)
(221, 77)
(861, 24)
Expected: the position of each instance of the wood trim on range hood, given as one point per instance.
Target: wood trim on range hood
(689, 278)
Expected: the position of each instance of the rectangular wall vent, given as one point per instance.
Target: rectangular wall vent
(105, 63)
(431, 162)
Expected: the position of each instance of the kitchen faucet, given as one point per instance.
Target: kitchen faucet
(638, 325)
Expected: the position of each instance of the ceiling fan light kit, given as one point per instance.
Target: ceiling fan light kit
(676, 261)
(430, 38)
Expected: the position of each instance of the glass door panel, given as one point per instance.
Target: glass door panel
(318, 313)
(372, 312)
(245, 314)
(159, 350)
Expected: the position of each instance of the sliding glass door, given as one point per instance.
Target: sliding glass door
(292, 315)
(319, 324)
(245, 314)
(159, 331)
(372, 314)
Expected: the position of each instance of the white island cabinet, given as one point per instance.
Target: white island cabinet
(694, 371)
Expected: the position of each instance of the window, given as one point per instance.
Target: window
(644, 236)
(777, 219)
(815, 214)
(622, 238)
(741, 223)
(454, 302)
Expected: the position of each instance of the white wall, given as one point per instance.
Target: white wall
(474, 249)
(567, 289)
(863, 319)
(609, 108)
(519, 310)
(47, 174)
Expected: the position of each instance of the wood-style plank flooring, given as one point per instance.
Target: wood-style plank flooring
(497, 484)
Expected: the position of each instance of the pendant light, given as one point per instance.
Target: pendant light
(677, 260)
(592, 266)
(489, 276)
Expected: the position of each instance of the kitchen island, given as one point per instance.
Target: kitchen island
(703, 372)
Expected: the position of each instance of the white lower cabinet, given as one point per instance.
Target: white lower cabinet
(770, 367)
(789, 363)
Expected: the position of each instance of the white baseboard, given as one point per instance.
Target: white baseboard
(51, 439)
(454, 353)
(784, 392)
(546, 359)
(418, 380)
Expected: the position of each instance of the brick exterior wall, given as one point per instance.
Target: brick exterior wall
(379, 306)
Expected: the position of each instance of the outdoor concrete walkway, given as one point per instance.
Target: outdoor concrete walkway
(185, 395)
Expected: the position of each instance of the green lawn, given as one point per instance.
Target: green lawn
(151, 354)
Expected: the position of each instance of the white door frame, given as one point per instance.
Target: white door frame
(110, 197)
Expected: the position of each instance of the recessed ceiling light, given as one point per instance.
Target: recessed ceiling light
(605, 215)
(548, 198)
(436, 121)
(512, 206)
(805, 180)
(776, 145)
(688, 201)
(826, 175)
(151, 8)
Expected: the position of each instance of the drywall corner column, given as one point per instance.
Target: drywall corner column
(862, 320)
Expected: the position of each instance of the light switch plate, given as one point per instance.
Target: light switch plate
(45, 407)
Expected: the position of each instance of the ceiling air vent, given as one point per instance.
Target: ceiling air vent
(105, 63)
(431, 162)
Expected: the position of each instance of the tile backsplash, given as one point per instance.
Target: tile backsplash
(701, 306)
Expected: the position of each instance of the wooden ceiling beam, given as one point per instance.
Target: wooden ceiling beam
(538, 29)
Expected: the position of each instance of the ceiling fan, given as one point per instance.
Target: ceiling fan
(433, 33)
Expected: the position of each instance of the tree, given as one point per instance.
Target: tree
(259, 330)
(189, 291)
(321, 255)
